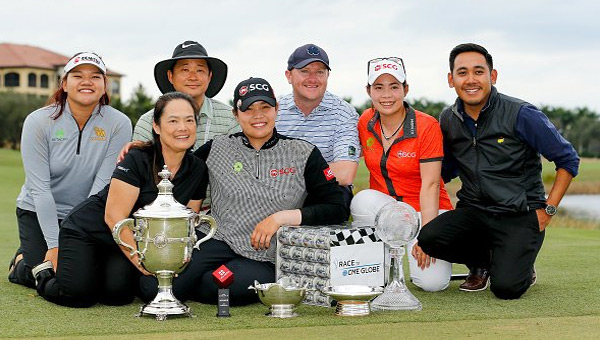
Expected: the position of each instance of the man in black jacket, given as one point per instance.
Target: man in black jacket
(493, 143)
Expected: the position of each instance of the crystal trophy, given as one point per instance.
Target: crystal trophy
(396, 224)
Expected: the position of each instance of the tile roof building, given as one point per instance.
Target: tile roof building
(34, 70)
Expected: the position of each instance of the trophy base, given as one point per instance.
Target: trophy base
(162, 309)
(390, 301)
(352, 308)
(282, 311)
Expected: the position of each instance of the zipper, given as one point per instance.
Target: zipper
(257, 163)
(80, 133)
(477, 162)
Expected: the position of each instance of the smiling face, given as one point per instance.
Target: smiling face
(177, 127)
(387, 95)
(257, 122)
(191, 76)
(472, 80)
(309, 83)
(84, 85)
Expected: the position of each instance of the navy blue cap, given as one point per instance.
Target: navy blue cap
(307, 54)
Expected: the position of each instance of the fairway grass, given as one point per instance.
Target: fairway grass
(564, 304)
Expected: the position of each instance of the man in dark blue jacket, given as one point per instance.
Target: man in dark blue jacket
(493, 143)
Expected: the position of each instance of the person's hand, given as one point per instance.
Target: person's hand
(126, 149)
(543, 219)
(423, 260)
(263, 232)
(52, 256)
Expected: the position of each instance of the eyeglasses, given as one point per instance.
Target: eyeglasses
(397, 60)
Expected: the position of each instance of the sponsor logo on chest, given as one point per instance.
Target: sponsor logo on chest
(59, 136)
(406, 154)
(99, 134)
(282, 172)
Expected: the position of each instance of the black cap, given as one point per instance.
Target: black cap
(252, 90)
(307, 54)
(191, 50)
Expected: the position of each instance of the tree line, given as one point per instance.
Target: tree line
(580, 126)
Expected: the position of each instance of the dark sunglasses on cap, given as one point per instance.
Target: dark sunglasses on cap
(397, 60)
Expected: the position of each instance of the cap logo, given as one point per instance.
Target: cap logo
(243, 90)
(184, 45)
(89, 58)
(253, 87)
(313, 50)
(380, 66)
(76, 60)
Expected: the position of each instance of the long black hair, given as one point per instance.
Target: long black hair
(157, 157)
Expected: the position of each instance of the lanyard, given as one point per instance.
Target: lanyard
(207, 125)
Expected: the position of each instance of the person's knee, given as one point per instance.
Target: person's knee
(426, 238)
(148, 288)
(432, 285)
(507, 289)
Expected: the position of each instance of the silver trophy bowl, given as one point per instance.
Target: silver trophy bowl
(164, 235)
(352, 300)
(281, 297)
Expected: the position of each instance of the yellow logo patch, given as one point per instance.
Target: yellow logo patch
(100, 134)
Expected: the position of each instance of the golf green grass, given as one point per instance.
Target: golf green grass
(564, 304)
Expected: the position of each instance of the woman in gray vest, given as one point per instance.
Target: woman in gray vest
(69, 150)
(259, 181)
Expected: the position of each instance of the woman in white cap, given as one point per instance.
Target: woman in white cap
(259, 181)
(402, 148)
(69, 150)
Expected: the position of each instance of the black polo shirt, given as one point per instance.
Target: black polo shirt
(190, 183)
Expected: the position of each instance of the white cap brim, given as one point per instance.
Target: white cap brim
(85, 58)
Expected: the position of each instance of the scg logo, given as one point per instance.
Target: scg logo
(402, 154)
(253, 87)
(392, 66)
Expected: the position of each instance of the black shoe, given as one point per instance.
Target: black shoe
(13, 262)
(42, 273)
(477, 280)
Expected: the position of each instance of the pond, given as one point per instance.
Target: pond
(584, 206)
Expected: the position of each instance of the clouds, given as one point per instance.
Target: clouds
(545, 51)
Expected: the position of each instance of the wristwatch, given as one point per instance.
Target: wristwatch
(550, 209)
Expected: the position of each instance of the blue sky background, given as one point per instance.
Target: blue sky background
(546, 52)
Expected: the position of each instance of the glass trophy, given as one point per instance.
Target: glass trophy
(396, 224)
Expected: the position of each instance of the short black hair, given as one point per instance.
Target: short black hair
(470, 47)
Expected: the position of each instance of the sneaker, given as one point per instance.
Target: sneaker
(533, 279)
(478, 280)
(38, 271)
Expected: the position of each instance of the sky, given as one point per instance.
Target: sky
(546, 52)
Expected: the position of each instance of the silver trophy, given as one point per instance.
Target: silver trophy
(396, 224)
(352, 300)
(164, 233)
(281, 297)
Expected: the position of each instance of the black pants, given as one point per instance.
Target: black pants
(196, 281)
(91, 267)
(505, 243)
(32, 245)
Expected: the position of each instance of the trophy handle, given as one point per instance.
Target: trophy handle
(116, 232)
(213, 228)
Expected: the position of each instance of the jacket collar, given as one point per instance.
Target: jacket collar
(409, 129)
(268, 144)
(459, 109)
